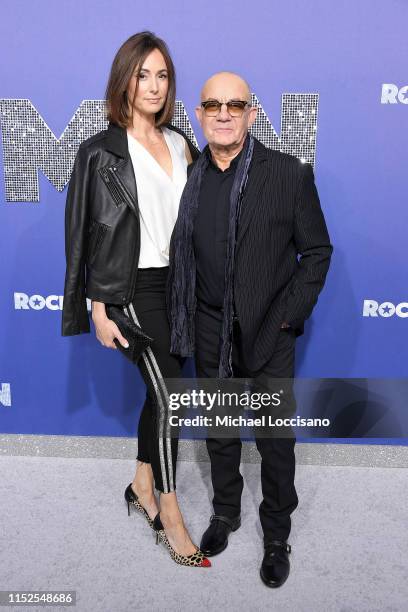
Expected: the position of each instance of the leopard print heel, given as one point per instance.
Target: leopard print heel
(197, 559)
(132, 499)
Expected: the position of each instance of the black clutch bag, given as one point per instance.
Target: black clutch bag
(138, 340)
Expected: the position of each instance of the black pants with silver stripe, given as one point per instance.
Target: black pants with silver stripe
(148, 309)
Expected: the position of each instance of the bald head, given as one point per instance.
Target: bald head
(226, 132)
(227, 86)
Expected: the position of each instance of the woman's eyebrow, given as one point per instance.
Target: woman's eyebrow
(147, 70)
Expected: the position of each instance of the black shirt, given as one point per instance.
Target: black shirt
(210, 232)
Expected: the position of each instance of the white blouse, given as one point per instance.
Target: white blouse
(158, 197)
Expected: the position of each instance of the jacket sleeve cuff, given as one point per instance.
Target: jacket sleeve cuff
(75, 318)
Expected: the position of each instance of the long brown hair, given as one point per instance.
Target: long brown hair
(130, 56)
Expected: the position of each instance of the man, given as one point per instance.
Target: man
(249, 257)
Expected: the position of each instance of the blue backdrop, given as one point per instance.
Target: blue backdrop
(352, 54)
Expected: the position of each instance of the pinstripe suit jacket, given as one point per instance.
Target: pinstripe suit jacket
(282, 252)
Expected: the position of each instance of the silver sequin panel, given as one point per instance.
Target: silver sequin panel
(30, 145)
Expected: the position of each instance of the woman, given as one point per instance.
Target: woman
(122, 205)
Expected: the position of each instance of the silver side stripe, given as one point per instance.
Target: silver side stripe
(165, 407)
(159, 387)
(164, 410)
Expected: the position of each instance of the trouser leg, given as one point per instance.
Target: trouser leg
(224, 453)
(145, 430)
(148, 310)
(277, 454)
(278, 488)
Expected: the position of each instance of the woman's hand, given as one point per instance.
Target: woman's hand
(106, 329)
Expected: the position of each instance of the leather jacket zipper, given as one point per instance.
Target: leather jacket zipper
(112, 186)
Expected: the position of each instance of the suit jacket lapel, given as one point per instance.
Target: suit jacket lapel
(256, 177)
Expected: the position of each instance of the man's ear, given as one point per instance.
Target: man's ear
(253, 111)
(198, 112)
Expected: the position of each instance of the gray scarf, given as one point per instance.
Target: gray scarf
(181, 299)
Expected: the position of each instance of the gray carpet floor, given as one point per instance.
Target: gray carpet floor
(64, 525)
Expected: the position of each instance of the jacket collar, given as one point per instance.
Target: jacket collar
(260, 151)
(116, 140)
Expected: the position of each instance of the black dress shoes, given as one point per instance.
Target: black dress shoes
(275, 565)
(215, 539)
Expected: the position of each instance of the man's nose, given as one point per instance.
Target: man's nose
(223, 115)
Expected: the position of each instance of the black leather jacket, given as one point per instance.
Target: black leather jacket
(102, 227)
